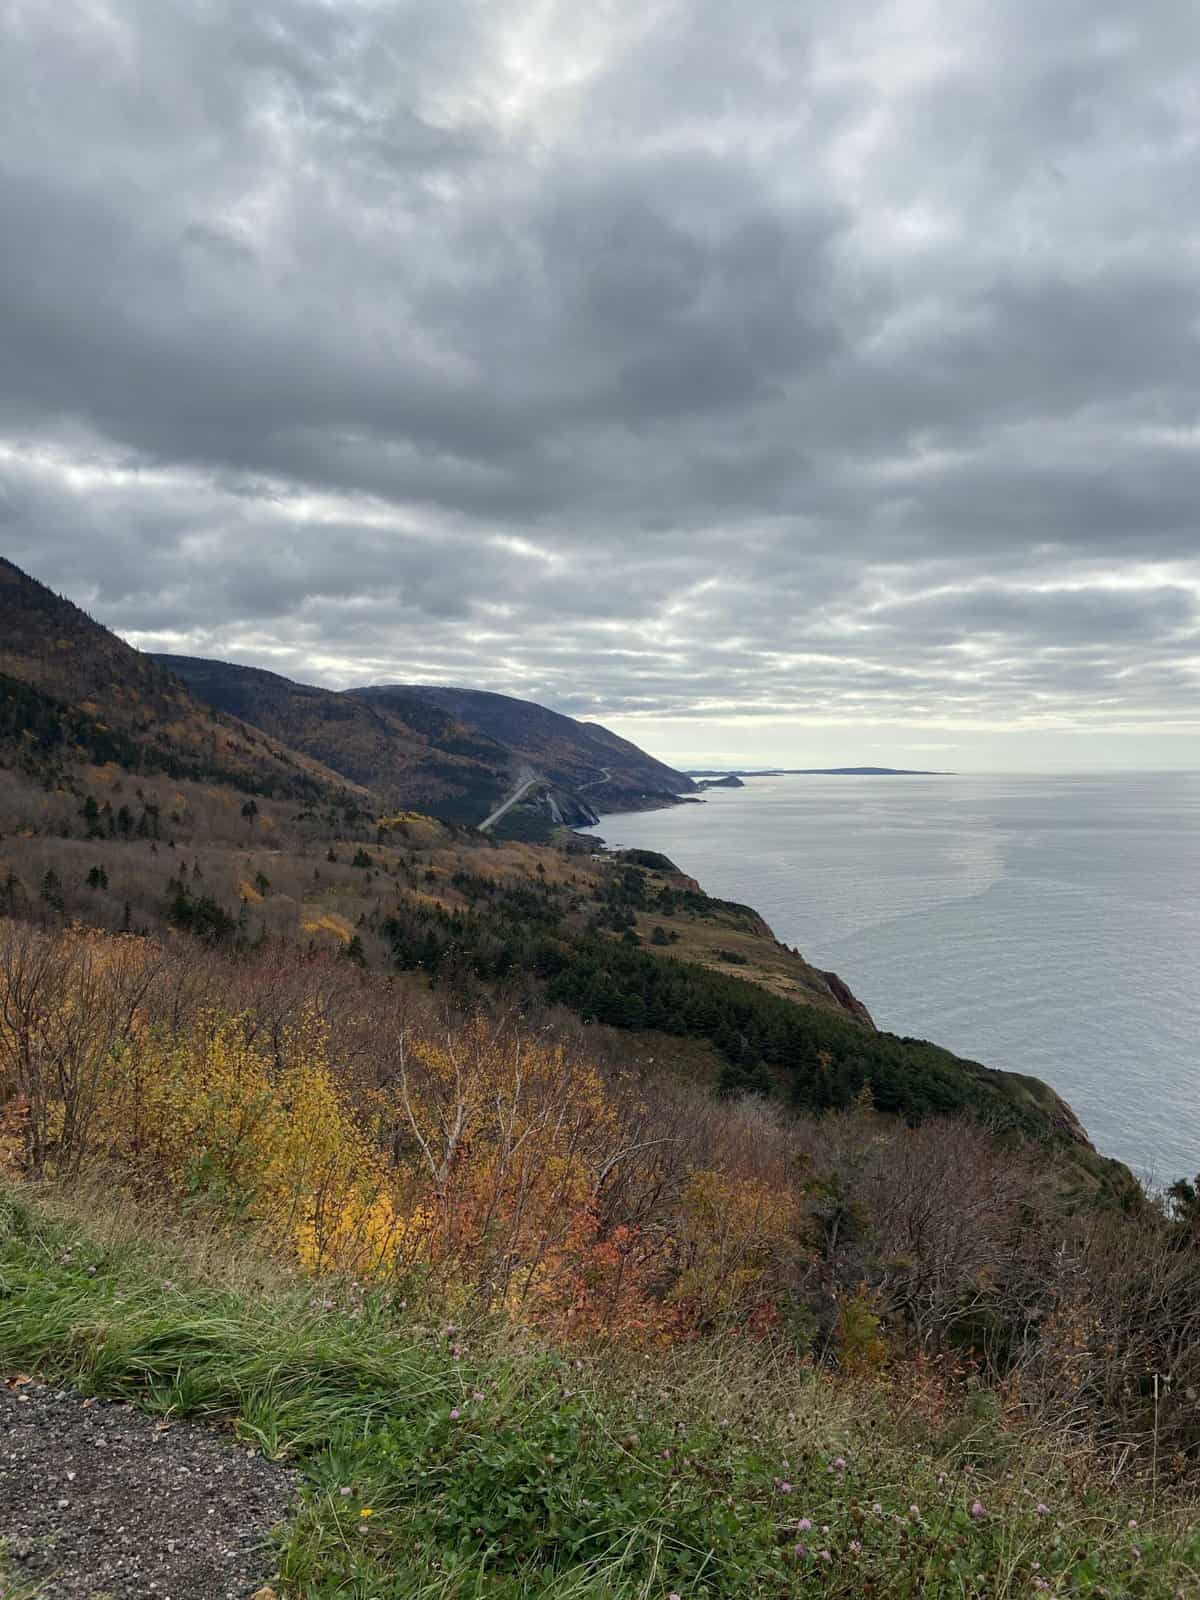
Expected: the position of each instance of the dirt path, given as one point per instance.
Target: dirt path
(98, 1500)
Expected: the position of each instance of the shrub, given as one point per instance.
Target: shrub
(497, 1162)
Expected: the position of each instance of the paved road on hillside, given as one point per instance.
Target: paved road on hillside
(527, 779)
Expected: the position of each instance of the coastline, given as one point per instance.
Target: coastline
(1037, 1090)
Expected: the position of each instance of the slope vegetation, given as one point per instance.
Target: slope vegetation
(579, 756)
(407, 754)
(95, 832)
(457, 753)
(438, 1464)
(71, 689)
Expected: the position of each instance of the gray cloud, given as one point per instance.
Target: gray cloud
(684, 364)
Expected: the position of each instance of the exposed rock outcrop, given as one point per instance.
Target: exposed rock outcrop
(847, 999)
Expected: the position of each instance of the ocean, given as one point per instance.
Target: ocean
(1048, 925)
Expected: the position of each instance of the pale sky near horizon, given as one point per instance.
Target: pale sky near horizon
(775, 384)
(787, 744)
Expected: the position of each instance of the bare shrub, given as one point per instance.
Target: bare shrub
(67, 1002)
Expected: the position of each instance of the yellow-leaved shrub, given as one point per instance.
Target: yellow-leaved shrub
(476, 1160)
(255, 1129)
(731, 1230)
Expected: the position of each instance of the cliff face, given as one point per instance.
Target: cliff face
(566, 809)
(848, 1001)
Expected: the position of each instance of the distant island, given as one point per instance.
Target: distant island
(721, 775)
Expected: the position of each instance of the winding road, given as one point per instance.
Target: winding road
(527, 779)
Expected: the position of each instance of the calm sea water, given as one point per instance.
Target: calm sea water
(1049, 925)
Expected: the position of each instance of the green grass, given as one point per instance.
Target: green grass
(10, 1588)
(490, 1467)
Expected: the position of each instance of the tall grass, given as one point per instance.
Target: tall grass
(451, 1462)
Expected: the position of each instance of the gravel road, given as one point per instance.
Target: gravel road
(99, 1500)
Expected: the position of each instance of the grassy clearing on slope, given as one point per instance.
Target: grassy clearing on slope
(446, 1462)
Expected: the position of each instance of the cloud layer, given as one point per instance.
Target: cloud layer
(685, 364)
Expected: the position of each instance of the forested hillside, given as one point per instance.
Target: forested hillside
(581, 757)
(576, 1113)
(106, 823)
(71, 690)
(454, 752)
(406, 754)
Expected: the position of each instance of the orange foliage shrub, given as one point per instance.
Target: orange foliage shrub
(476, 1161)
(488, 1163)
(510, 1139)
(732, 1231)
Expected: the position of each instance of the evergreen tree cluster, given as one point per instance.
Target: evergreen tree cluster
(826, 1063)
(200, 915)
(821, 1061)
(102, 822)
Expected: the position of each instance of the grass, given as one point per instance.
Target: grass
(438, 1462)
(10, 1589)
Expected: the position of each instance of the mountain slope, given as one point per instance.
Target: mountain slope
(582, 757)
(431, 764)
(454, 752)
(71, 689)
(623, 943)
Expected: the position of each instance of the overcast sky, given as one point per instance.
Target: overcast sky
(770, 381)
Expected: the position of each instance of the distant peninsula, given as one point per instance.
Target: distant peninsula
(722, 774)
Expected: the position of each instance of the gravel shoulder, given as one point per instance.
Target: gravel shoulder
(99, 1500)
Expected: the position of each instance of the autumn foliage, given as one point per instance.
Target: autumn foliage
(484, 1162)
(467, 1158)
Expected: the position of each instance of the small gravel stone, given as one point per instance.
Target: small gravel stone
(153, 1513)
